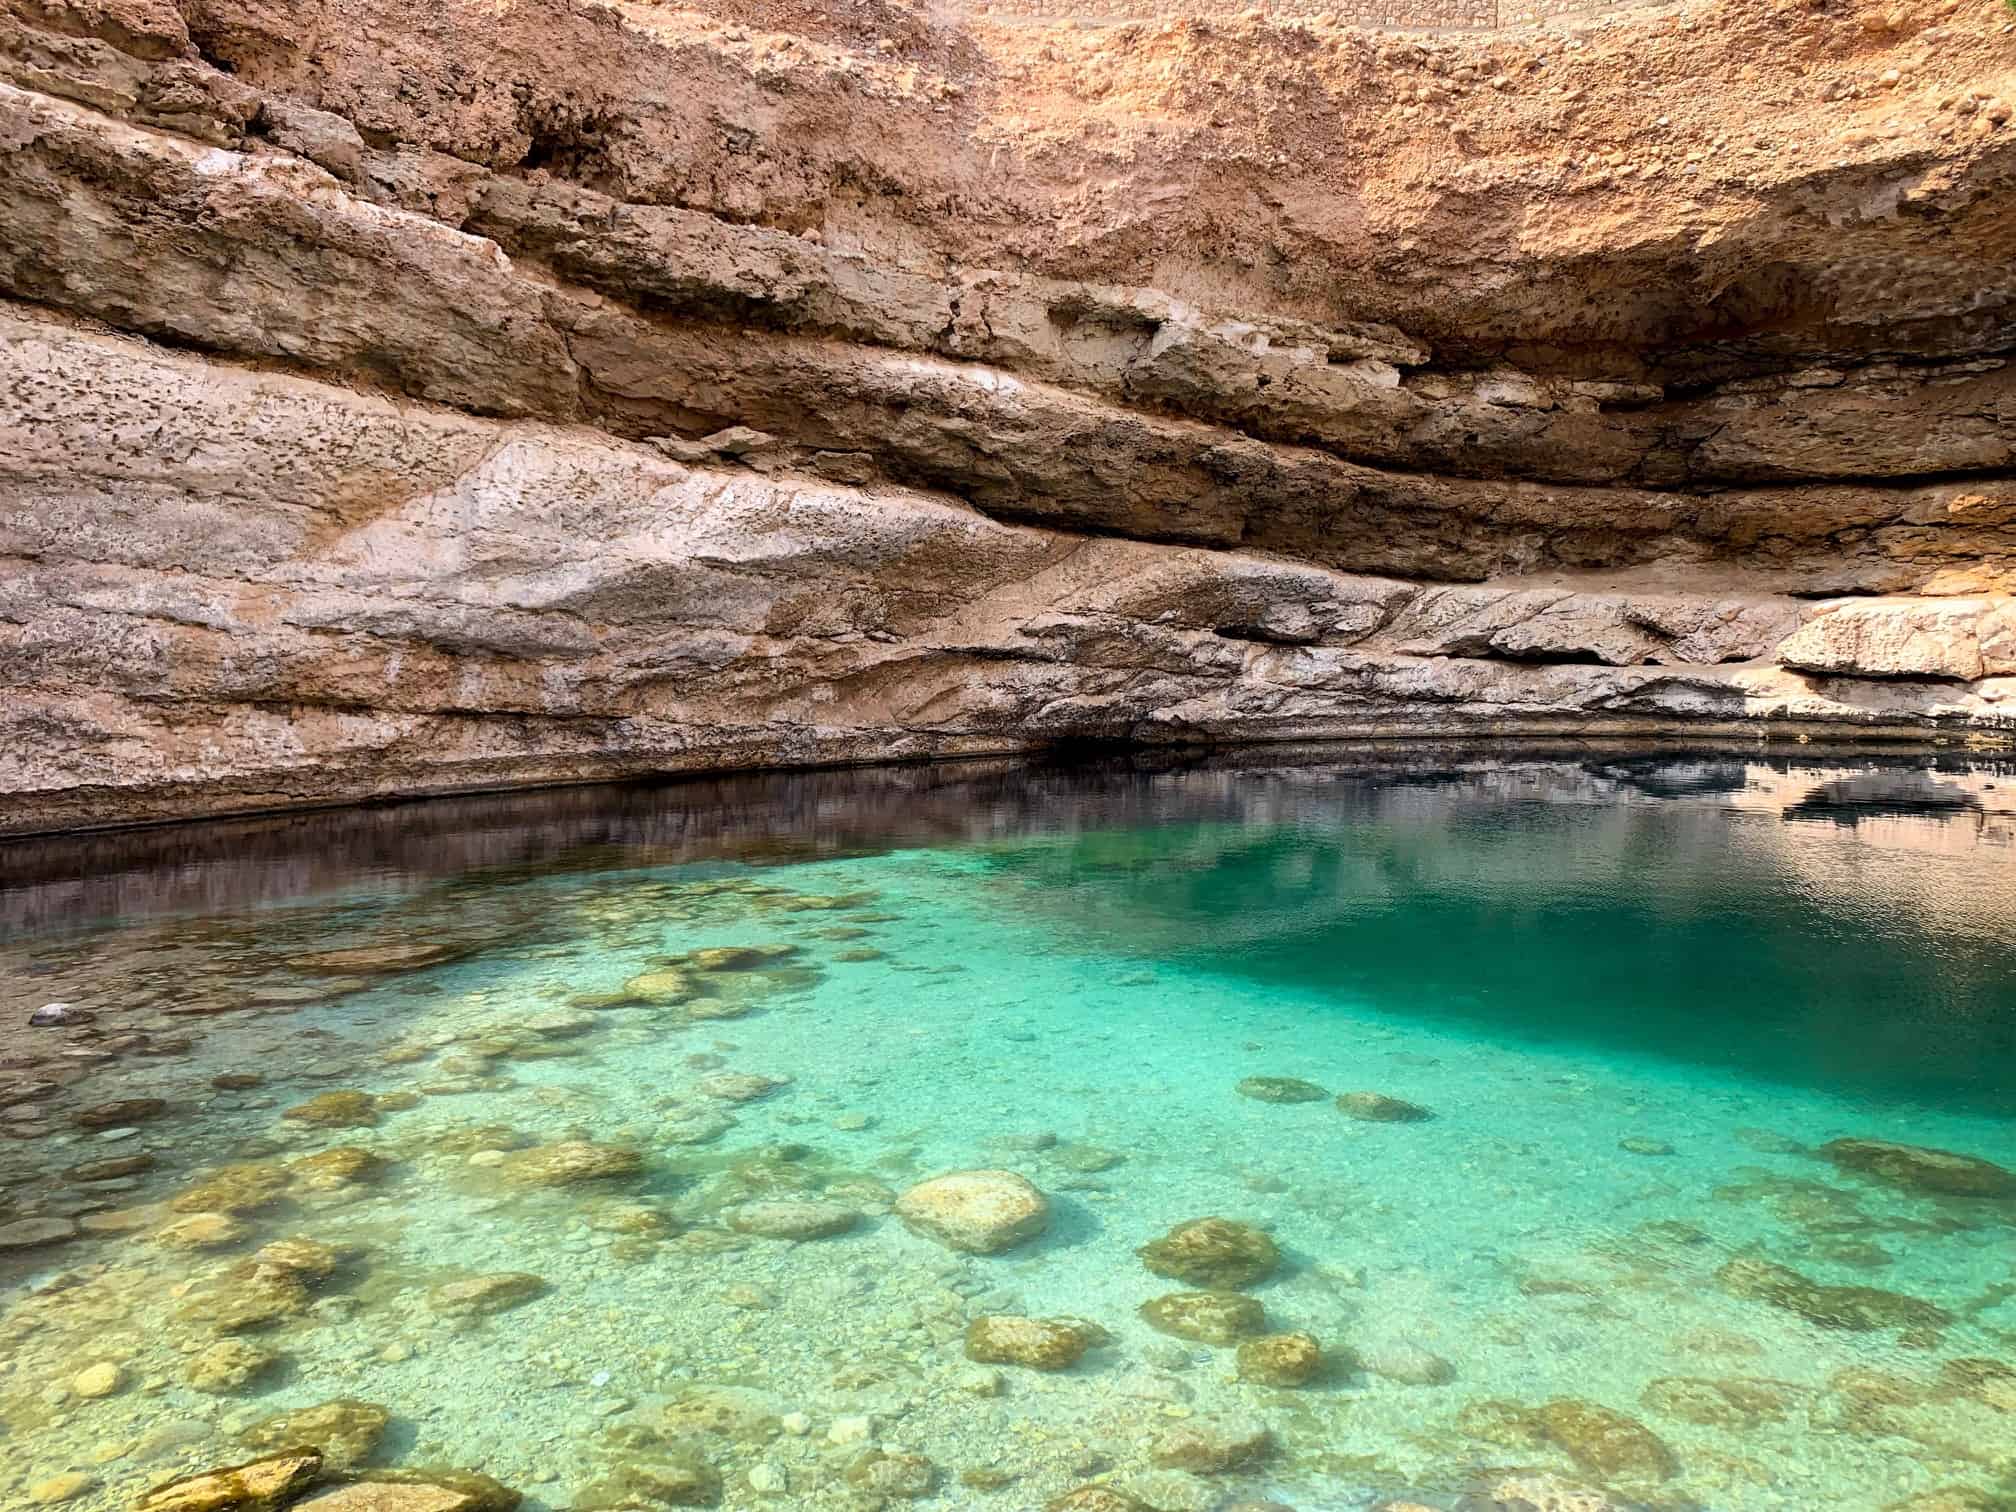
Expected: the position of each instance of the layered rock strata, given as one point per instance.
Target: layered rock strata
(409, 400)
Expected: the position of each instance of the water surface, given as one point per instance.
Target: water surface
(1640, 997)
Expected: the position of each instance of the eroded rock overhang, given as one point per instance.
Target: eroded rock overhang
(402, 403)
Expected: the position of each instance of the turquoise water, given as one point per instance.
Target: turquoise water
(1619, 1262)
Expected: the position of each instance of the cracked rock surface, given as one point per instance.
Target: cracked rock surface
(406, 399)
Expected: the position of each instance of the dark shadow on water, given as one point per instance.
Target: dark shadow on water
(1072, 1223)
(1880, 795)
(1636, 903)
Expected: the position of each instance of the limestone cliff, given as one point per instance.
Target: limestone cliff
(411, 398)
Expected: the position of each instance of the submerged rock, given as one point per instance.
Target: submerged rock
(1209, 1317)
(1215, 1253)
(1087, 1159)
(980, 1212)
(1857, 1309)
(1038, 1343)
(1526, 1491)
(479, 1296)
(792, 1220)
(662, 987)
(1715, 1402)
(393, 956)
(115, 1115)
(393, 1491)
(1281, 1089)
(227, 1366)
(201, 1231)
(737, 1412)
(348, 1109)
(1095, 1499)
(58, 1489)
(1920, 1168)
(1604, 1442)
(1638, 1144)
(1209, 1445)
(113, 1168)
(234, 1189)
(740, 1087)
(880, 1473)
(389, 1496)
(739, 957)
(1283, 1359)
(1377, 1107)
(241, 1303)
(694, 1126)
(35, 1233)
(338, 1167)
(99, 1380)
(309, 1258)
(1176, 1491)
(345, 1432)
(571, 1163)
(681, 1478)
(261, 1485)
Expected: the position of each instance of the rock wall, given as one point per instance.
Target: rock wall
(1400, 14)
(415, 400)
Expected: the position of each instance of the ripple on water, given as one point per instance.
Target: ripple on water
(680, 1185)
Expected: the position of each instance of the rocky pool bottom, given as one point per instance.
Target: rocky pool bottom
(1508, 1133)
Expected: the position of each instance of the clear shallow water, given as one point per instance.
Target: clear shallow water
(1639, 997)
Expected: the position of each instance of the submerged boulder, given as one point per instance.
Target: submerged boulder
(391, 956)
(261, 1485)
(113, 1115)
(1095, 1498)
(1605, 1442)
(740, 1086)
(668, 986)
(227, 1366)
(235, 1189)
(1734, 1403)
(1210, 1445)
(792, 1220)
(739, 957)
(344, 1432)
(389, 1496)
(1280, 1089)
(348, 1109)
(1921, 1168)
(1855, 1309)
(201, 1231)
(1215, 1253)
(571, 1163)
(1038, 1343)
(1209, 1317)
(1377, 1107)
(678, 1478)
(479, 1296)
(980, 1212)
(879, 1473)
(1283, 1359)
(338, 1167)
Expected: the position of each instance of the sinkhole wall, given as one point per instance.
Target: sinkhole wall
(1436, 15)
